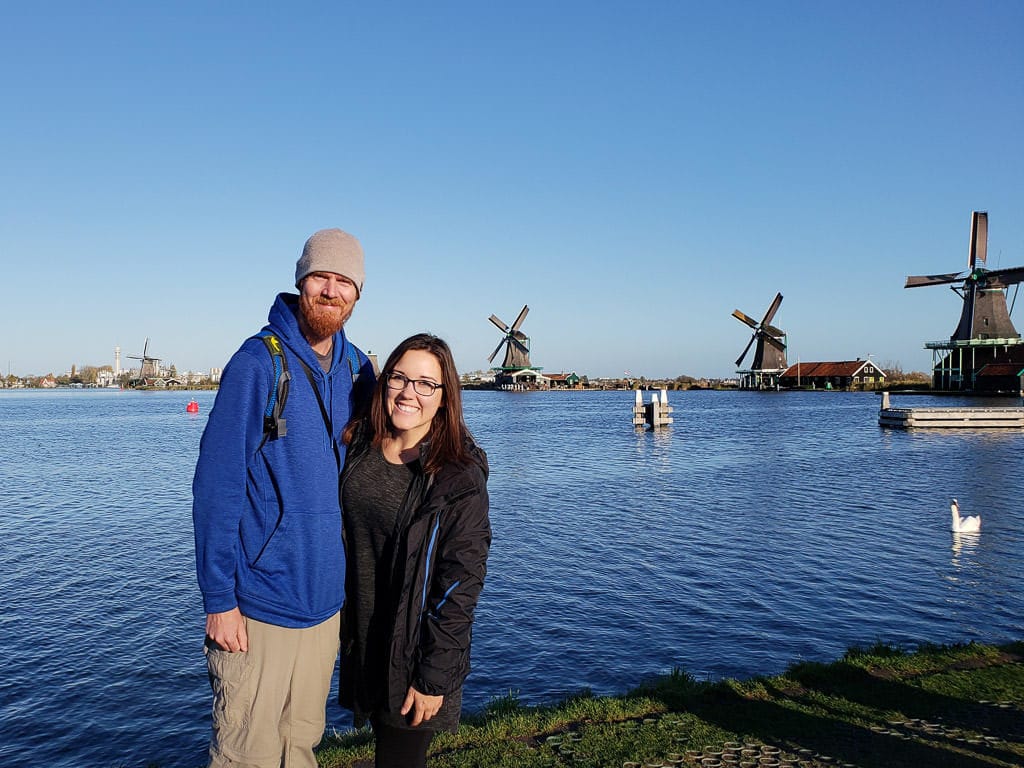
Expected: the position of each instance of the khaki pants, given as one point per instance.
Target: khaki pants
(269, 702)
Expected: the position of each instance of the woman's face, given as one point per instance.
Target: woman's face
(410, 412)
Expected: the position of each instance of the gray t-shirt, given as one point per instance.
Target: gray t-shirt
(325, 360)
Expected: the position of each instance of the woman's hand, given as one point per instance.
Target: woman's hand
(423, 707)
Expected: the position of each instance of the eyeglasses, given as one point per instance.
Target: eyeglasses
(397, 382)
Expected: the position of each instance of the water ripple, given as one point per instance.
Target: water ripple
(757, 531)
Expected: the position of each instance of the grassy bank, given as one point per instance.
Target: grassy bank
(939, 706)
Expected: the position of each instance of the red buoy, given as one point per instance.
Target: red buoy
(192, 407)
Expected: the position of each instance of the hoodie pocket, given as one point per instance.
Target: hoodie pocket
(302, 566)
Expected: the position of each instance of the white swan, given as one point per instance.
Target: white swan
(969, 524)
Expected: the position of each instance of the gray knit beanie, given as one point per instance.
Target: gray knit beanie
(331, 250)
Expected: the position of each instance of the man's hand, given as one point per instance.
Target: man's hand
(423, 707)
(227, 630)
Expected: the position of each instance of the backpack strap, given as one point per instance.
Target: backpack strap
(274, 426)
(361, 386)
(354, 364)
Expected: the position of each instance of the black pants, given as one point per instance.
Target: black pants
(401, 747)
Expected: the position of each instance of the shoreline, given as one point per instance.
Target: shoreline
(877, 707)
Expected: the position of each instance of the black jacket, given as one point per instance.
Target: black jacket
(438, 572)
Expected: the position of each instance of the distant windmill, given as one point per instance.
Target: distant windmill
(516, 343)
(770, 352)
(150, 366)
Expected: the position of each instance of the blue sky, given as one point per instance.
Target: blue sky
(633, 171)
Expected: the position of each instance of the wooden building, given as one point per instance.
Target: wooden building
(977, 365)
(563, 380)
(1000, 378)
(845, 374)
(521, 379)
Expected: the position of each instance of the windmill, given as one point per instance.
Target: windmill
(983, 291)
(515, 371)
(516, 343)
(770, 352)
(150, 366)
(985, 336)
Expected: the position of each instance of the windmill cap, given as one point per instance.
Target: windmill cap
(332, 250)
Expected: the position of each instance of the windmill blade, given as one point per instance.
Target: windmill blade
(772, 310)
(1000, 278)
(774, 343)
(519, 345)
(744, 319)
(496, 350)
(774, 331)
(499, 322)
(916, 281)
(979, 239)
(519, 320)
(745, 350)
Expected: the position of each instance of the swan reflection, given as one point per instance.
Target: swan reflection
(965, 545)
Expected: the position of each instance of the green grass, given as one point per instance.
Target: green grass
(880, 706)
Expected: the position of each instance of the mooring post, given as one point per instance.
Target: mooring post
(665, 409)
(638, 411)
(885, 401)
(656, 413)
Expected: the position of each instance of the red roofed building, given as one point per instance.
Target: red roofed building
(563, 380)
(846, 374)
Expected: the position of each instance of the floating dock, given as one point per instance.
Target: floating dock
(950, 418)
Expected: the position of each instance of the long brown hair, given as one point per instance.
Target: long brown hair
(448, 434)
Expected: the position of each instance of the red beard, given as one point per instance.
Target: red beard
(324, 317)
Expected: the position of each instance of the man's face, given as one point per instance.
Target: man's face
(326, 301)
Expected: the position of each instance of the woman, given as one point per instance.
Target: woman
(417, 533)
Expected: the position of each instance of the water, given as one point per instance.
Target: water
(760, 529)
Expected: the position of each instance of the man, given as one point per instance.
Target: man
(267, 520)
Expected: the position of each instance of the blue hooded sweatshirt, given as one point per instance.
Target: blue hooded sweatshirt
(266, 514)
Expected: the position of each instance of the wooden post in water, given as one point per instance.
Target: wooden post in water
(661, 410)
(638, 411)
(655, 413)
(885, 401)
